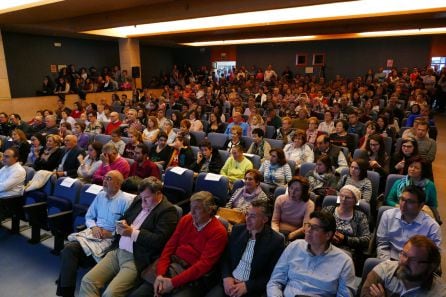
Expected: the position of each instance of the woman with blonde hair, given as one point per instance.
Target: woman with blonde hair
(49, 157)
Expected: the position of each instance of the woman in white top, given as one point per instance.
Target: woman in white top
(327, 126)
(91, 163)
(298, 150)
(195, 123)
(151, 132)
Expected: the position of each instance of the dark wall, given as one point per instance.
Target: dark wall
(348, 57)
(154, 62)
(194, 56)
(29, 57)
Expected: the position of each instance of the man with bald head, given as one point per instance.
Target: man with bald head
(237, 121)
(70, 163)
(114, 124)
(108, 207)
(111, 160)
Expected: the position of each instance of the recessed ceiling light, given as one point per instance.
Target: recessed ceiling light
(324, 12)
(8, 6)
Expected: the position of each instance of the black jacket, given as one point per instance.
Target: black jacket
(215, 164)
(267, 250)
(154, 231)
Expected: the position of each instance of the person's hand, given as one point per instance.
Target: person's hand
(105, 159)
(97, 232)
(124, 229)
(162, 285)
(239, 289)
(199, 157)
(80, 158)
(400, 165)
(374, 164)
(228, 284)
(59, 173)
(377, 290)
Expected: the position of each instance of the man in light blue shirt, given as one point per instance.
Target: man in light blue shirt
(314, 267)
(108, 207)
(237, 121)
(397, 225)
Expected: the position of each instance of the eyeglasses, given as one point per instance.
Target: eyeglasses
(313, 227)
(405, 257)
(408, 201)
(346, 197)
(108, 178)
(7, 156)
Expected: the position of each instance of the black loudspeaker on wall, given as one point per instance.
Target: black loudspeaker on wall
(135, 72)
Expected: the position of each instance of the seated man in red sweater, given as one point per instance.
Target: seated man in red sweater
(114, 123)
(143, 167)
(196, 245)
(111, 160)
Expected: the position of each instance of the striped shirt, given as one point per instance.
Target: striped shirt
(243, 269)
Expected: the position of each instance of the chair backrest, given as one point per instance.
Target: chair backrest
(237, 185)
(41, 194)
(217, 140)
(306, 167)
(359, 153)
(369, 264)
(344, 171)
(149, 144)
(391, 179)
(275, 143)
(292, 165)
(388, 141)
(375, 179)
(255, 159)
(195, 150)
(355, 139)
(29, 173)
(218, 188)
(179, 211)
(224, 155)
(80, 208)
(270, 131)
(185, 180)
(248, 141)
(199, 136)
(64, 196)
(102, 138)
(279, 191)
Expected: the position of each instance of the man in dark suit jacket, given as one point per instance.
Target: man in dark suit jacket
(141, 235)
(70, 163)
(250, 256)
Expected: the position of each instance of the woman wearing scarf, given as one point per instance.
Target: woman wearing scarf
(251, 191)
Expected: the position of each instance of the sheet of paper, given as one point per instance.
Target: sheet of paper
(248, 155)
(94, 189)
(212, 177)
(68, 182)
(178, 170)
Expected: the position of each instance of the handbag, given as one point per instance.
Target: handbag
(233, 216)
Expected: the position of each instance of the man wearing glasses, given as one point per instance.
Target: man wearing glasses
(397, 225)
(314, 267)
(413, 274)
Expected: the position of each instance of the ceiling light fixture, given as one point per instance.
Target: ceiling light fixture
(324, 12)
(410, 32)
(8, 6)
